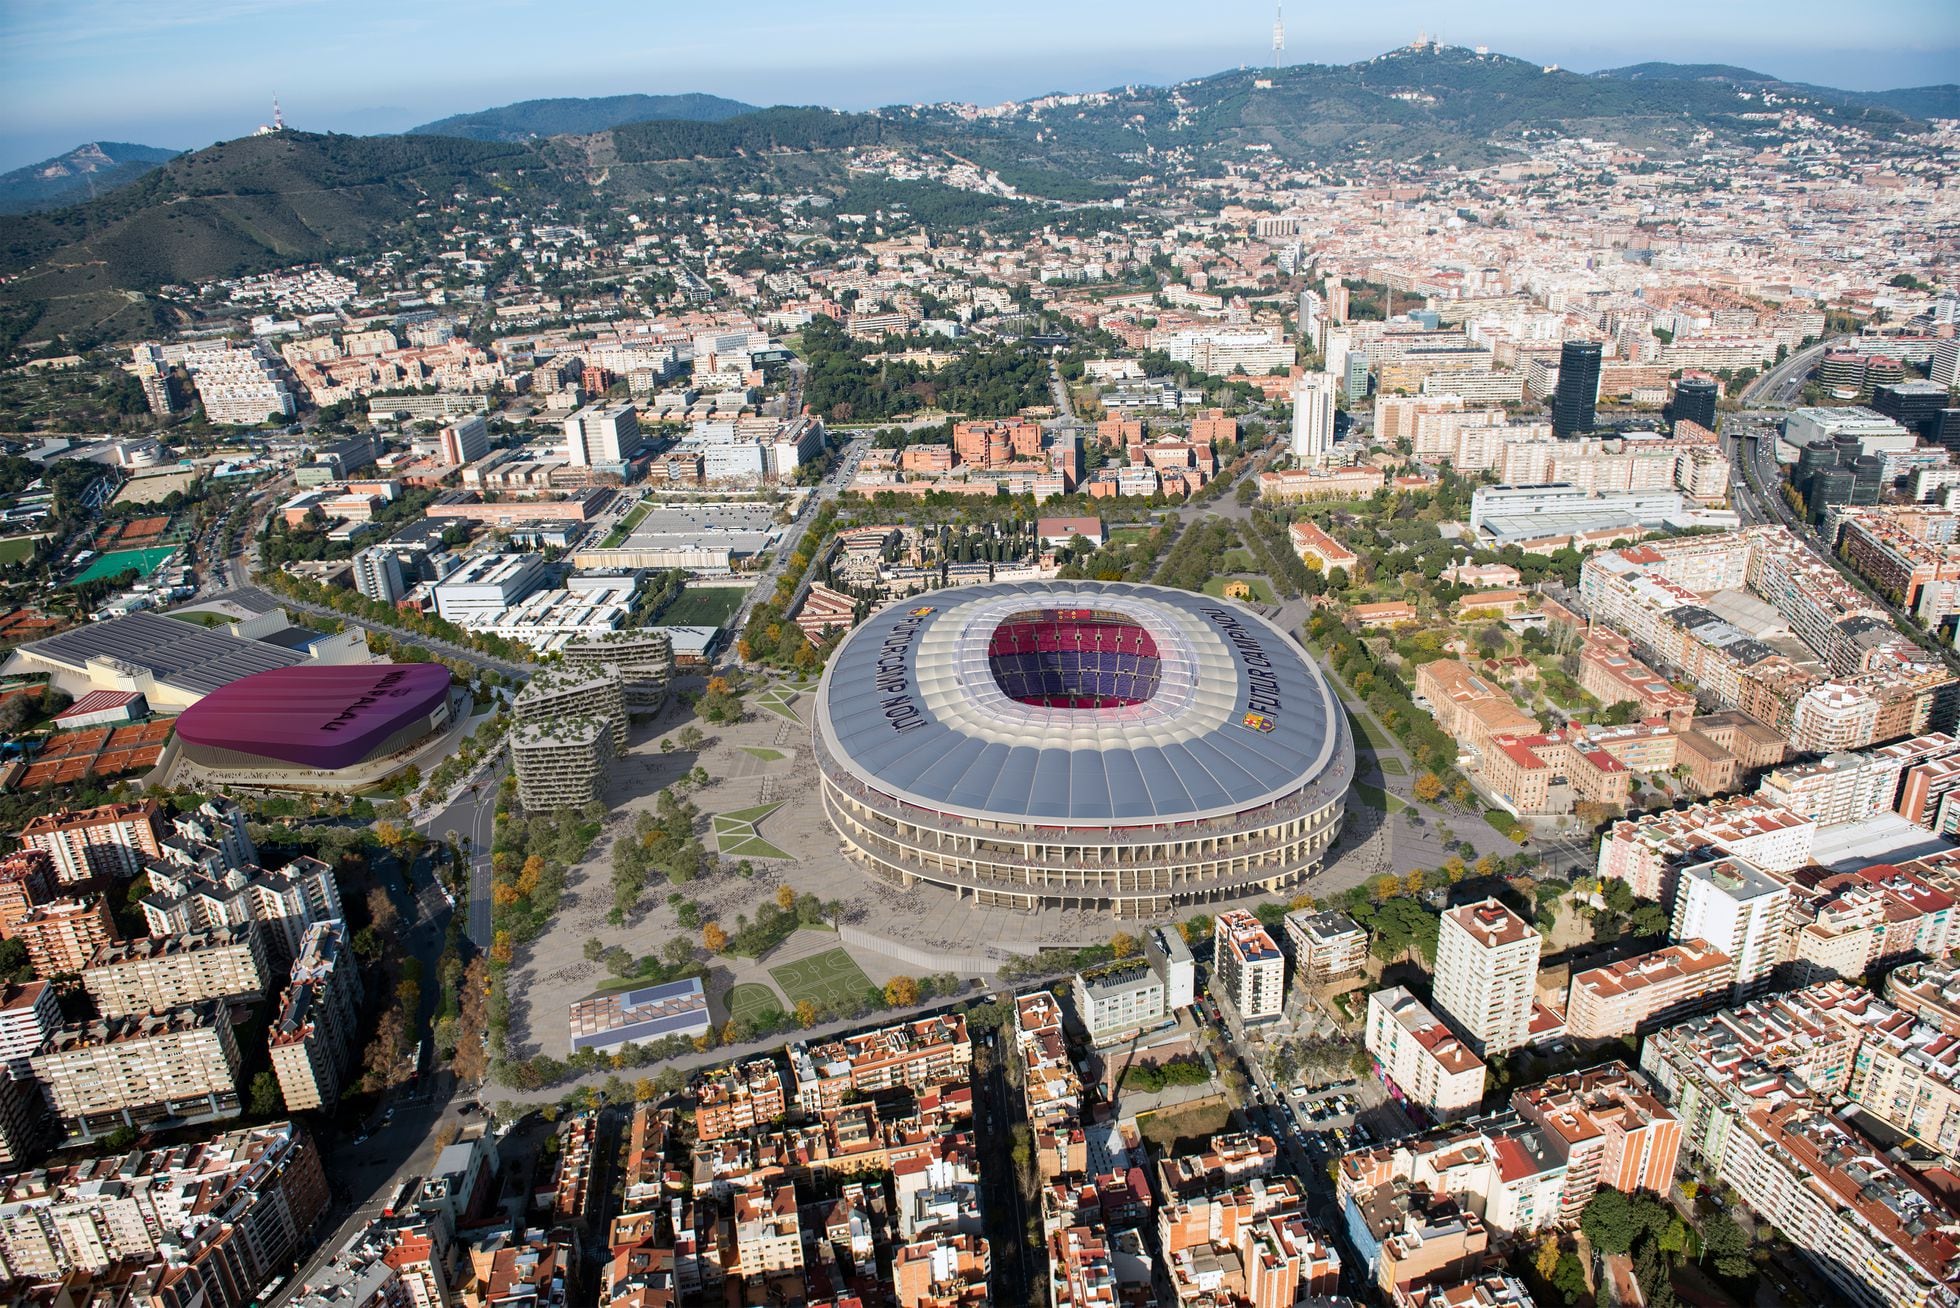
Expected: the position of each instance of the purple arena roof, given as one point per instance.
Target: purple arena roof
(315, 715)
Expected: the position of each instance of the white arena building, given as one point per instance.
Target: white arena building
(1081, 744)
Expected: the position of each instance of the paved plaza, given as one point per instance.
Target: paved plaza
(761, 770)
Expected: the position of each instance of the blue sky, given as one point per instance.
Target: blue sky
(184, 73)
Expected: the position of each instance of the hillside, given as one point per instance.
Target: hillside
(1444, 104)
(1913, 101)
(242, 206)
(83, 173)
(263, 202)
(579, 117)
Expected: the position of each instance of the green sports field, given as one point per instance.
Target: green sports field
(15, 548)
(827, 978)
(753, 999)
(144, 561)
(702, 606)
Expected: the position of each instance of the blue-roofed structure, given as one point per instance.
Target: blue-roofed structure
(640, 1016)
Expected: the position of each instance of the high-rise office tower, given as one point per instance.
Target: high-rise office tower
(1578, 388)
(1313, 418)
(1486, 968)
(1694, 401)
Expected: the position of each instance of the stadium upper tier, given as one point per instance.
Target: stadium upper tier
(1081, 742)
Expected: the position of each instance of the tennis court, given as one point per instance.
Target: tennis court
(144, 561)
(823, 979)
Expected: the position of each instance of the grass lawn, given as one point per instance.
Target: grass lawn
(736, 836)
(1392, 767)
(777, 699)
(203, 619)
(15, 548)
(702, 606)
(617, 536)
(1181, 1129)
(1366, 729)
(1262, 590)
(1376, 797)
(765, 754)
(1236, 560)
(827, 978)
(753, 999)
(1128, 535)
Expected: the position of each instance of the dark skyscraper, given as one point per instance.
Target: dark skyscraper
(1694, 401)
(1578, 388)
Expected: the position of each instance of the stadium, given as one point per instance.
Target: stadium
(1083, 745)
(316, 727)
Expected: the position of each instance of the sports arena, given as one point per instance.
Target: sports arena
(316, 726)
(1081, 744)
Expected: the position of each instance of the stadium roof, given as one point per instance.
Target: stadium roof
(1237, 716)
(177, 654)
(323, 716)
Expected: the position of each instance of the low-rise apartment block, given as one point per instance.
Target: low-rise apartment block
(1327, 945)
(1428, 1064)
(1634, 995)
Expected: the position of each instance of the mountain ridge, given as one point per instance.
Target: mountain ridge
(579, 116)
(261, 202)
(90, 169)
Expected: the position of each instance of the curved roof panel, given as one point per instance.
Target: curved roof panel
(1240, 717)
(315, 715)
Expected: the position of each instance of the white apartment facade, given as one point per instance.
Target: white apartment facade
(1486, 970)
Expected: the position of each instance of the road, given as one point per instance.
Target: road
(833, 484)
(472, 816)
(259, 598)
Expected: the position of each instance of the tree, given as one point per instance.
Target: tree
(785, 898)
(1546, 1261)
(806, 1013)
(1122, 944)
(901, 992)
(713, 938)
(1429, 787)
(1569, 1277)
(1610, 1222)
(267, 1101)
(13, 961)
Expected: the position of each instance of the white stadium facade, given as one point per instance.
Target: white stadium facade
(1081, 744)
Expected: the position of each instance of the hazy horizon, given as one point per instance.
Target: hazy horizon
(98, 70)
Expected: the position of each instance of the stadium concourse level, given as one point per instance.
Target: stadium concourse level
(1066, 658)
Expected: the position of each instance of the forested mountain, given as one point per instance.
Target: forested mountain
(579, 117)
(83, 173)
(1914, 101)
(242, 206)
(265, 201)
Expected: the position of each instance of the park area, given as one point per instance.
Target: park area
(15, 548)
(830, 979)
(702, 606)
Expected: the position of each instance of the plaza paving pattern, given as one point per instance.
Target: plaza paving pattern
(736, 836)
